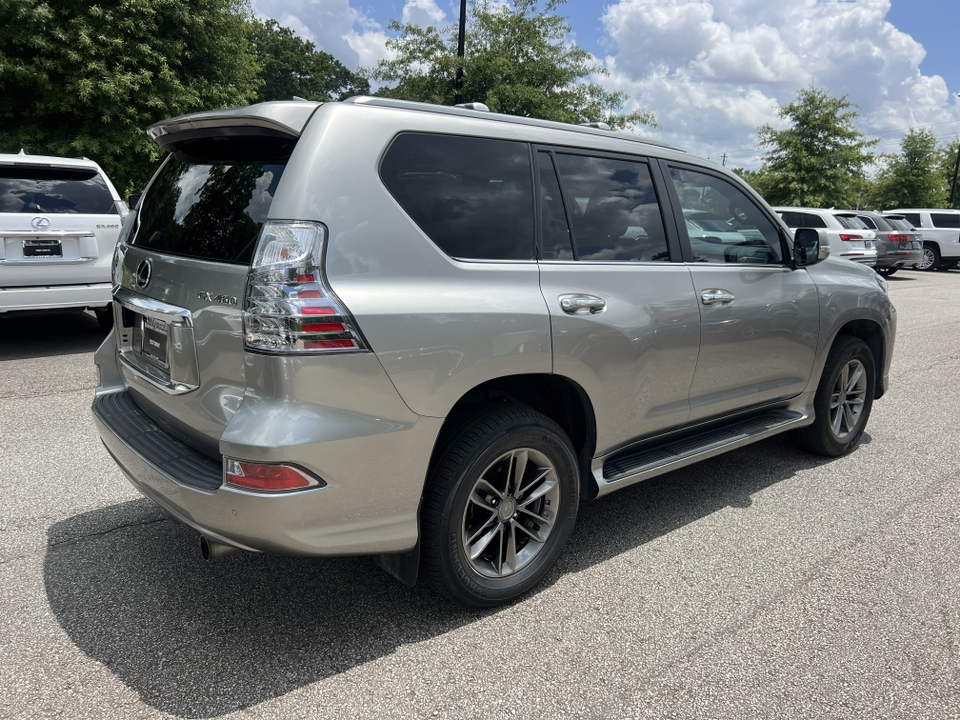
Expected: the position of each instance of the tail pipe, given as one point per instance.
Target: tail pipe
(213, 550)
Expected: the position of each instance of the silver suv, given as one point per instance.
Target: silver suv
(428, 334)
(59, 223)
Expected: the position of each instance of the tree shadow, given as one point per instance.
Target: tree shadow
(197, 640)
(48, 334)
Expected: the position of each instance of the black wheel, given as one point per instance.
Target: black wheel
(843, 400)
(930, 259)
(105, 317)
(887, 272)
(500, 505)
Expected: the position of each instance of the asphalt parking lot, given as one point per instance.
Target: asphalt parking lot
(764, 584)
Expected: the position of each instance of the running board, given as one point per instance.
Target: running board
(632, 466)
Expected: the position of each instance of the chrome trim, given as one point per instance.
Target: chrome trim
(184, 372)
(52, 260)
(49, 234)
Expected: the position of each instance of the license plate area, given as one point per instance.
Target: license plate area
(154, 335)
(42, 247)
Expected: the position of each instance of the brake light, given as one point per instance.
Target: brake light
(268, 478)
(848, 238)
(288, 306)
(899, 238)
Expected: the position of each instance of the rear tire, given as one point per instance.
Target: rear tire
(843, 400)
(887, 272)
(930, 259)
(500, 505)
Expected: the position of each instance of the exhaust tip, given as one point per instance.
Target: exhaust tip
(213, 550)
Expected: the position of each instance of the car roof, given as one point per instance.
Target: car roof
(22, 158)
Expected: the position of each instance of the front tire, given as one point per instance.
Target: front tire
(105, 317)
(500, 505)
(843, 400)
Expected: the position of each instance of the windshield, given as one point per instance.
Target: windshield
(40, 189)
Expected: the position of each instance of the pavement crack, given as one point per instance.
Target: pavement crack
(102, 533)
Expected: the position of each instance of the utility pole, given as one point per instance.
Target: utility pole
(460, 41)
(953, 187)
(724, 160)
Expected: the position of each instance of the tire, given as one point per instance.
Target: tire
(930, 259)
(887, 272)
(105, 317)
(843, 400)
(489, 534)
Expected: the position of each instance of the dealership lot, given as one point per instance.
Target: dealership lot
(766, 583)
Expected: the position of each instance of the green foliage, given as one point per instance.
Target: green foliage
(78, 78)
(517, 61)
(819, 160)
(914, 178)
(293, 67)
(946, 167)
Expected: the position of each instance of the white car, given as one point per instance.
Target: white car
(59, 223)
(849, 238)
(941, 236)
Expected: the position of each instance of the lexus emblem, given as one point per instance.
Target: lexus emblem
(143, 274)
(40, 223)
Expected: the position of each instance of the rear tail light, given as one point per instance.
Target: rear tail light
(268, 478)
(289, 307)
(899, 238)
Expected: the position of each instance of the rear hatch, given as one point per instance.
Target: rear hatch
(182, 269)
(58, 225)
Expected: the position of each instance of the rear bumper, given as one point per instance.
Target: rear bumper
(52, 297)
(331, 520)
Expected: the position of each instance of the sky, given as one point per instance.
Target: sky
(713, 72)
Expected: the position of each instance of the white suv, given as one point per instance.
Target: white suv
(941, 236)
(59, 223)
(849, 238)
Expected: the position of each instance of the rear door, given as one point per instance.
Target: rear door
(625, 323)
(179, 325)
(760, 318)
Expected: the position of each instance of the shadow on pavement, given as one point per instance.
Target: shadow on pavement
(198, 640)
(65, 333)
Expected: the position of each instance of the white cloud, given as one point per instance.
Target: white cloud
(424, 13)
(713, 72)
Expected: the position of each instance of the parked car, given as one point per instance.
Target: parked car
(941, 236)
(429, 333)
(898, 245)
(59, 223)
(848, 239)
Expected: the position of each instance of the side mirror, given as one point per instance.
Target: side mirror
(810, 246)
(133, 199)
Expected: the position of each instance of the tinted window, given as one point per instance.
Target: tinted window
(555, 243)
(472, 196)
(913, 219)
(945, 220)
(899, 223)
(26, 189)
(723, 224)
(792, 219)
(811, 220)
(213, 212)
(614, 210)
(851, 222)
(869, 222)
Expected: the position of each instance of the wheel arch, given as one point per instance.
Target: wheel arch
(872, 334)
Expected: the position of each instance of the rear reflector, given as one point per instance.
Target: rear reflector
(268, 478)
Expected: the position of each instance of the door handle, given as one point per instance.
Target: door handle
(578, 304)
(716, 296)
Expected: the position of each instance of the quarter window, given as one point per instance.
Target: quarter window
(945, 220)
(613, 208)
(472, 196)
(723, 224)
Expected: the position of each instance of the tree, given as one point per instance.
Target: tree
(78, 78)
(517, 61)
(947, 166)
(819, 160)
(291, 66)
(914, 178)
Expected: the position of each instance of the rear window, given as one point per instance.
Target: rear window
(51, 190)
(473, 197)
(207, 211)
(899, 223)
(851, 222)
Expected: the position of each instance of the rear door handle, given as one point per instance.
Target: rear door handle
(716, 296)
(579, 304)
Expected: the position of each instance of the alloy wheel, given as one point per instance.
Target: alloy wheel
(847, 399)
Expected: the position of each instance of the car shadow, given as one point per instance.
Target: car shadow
(32, 336)
(198, 640)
